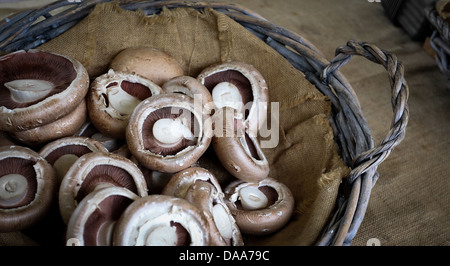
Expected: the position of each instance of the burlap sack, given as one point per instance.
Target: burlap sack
(306, 156)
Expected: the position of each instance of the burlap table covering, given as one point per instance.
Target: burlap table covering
(305, 157)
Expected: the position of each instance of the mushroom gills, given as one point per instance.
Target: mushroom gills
(169, 130)
(105, 175)
(230, 85)
(63, 157)
(249, 147)
(29, 90)
(123, 102)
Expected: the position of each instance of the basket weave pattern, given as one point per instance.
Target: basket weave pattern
(351, 131)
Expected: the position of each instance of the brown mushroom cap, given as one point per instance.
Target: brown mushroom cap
(187, 132)
(63, 127)
(243, 81)
(112, 98)
(94, 170)
(62, 153)
(58, 92)
(150, 63)
(264, 219)
(181, 181)
(93, 220)
(161, 220)
(27, 188)
(238, 152)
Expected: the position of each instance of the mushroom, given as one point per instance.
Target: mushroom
(27, 188)
(112, 98)
(148, 62)
(200, 187)
(63, 127)
(123, 151)
(62, 153)
(238, 152)
(93, 220)
(96, 170)
(167, 133)
(38, 88)
(161, 220)
(240, 86)
(193, 88)
(260, 208)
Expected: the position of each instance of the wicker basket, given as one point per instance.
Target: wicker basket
(440, 41)
(351, 131)
(410, 15)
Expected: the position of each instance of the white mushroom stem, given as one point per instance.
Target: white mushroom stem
(227, 94)
(28, 90)
(252, 198)
(120, 100)
(102, 185)
(222, 221)
(170, 131)
(63, 164)
(13, 188)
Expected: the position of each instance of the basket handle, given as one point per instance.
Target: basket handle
(399, 96)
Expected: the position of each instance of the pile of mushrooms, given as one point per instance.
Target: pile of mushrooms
(141, 155)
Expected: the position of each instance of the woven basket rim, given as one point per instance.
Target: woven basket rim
(352, 133)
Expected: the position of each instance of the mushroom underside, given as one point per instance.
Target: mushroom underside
(169, 130)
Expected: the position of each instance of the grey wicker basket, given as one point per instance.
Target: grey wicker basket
(351, 130)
